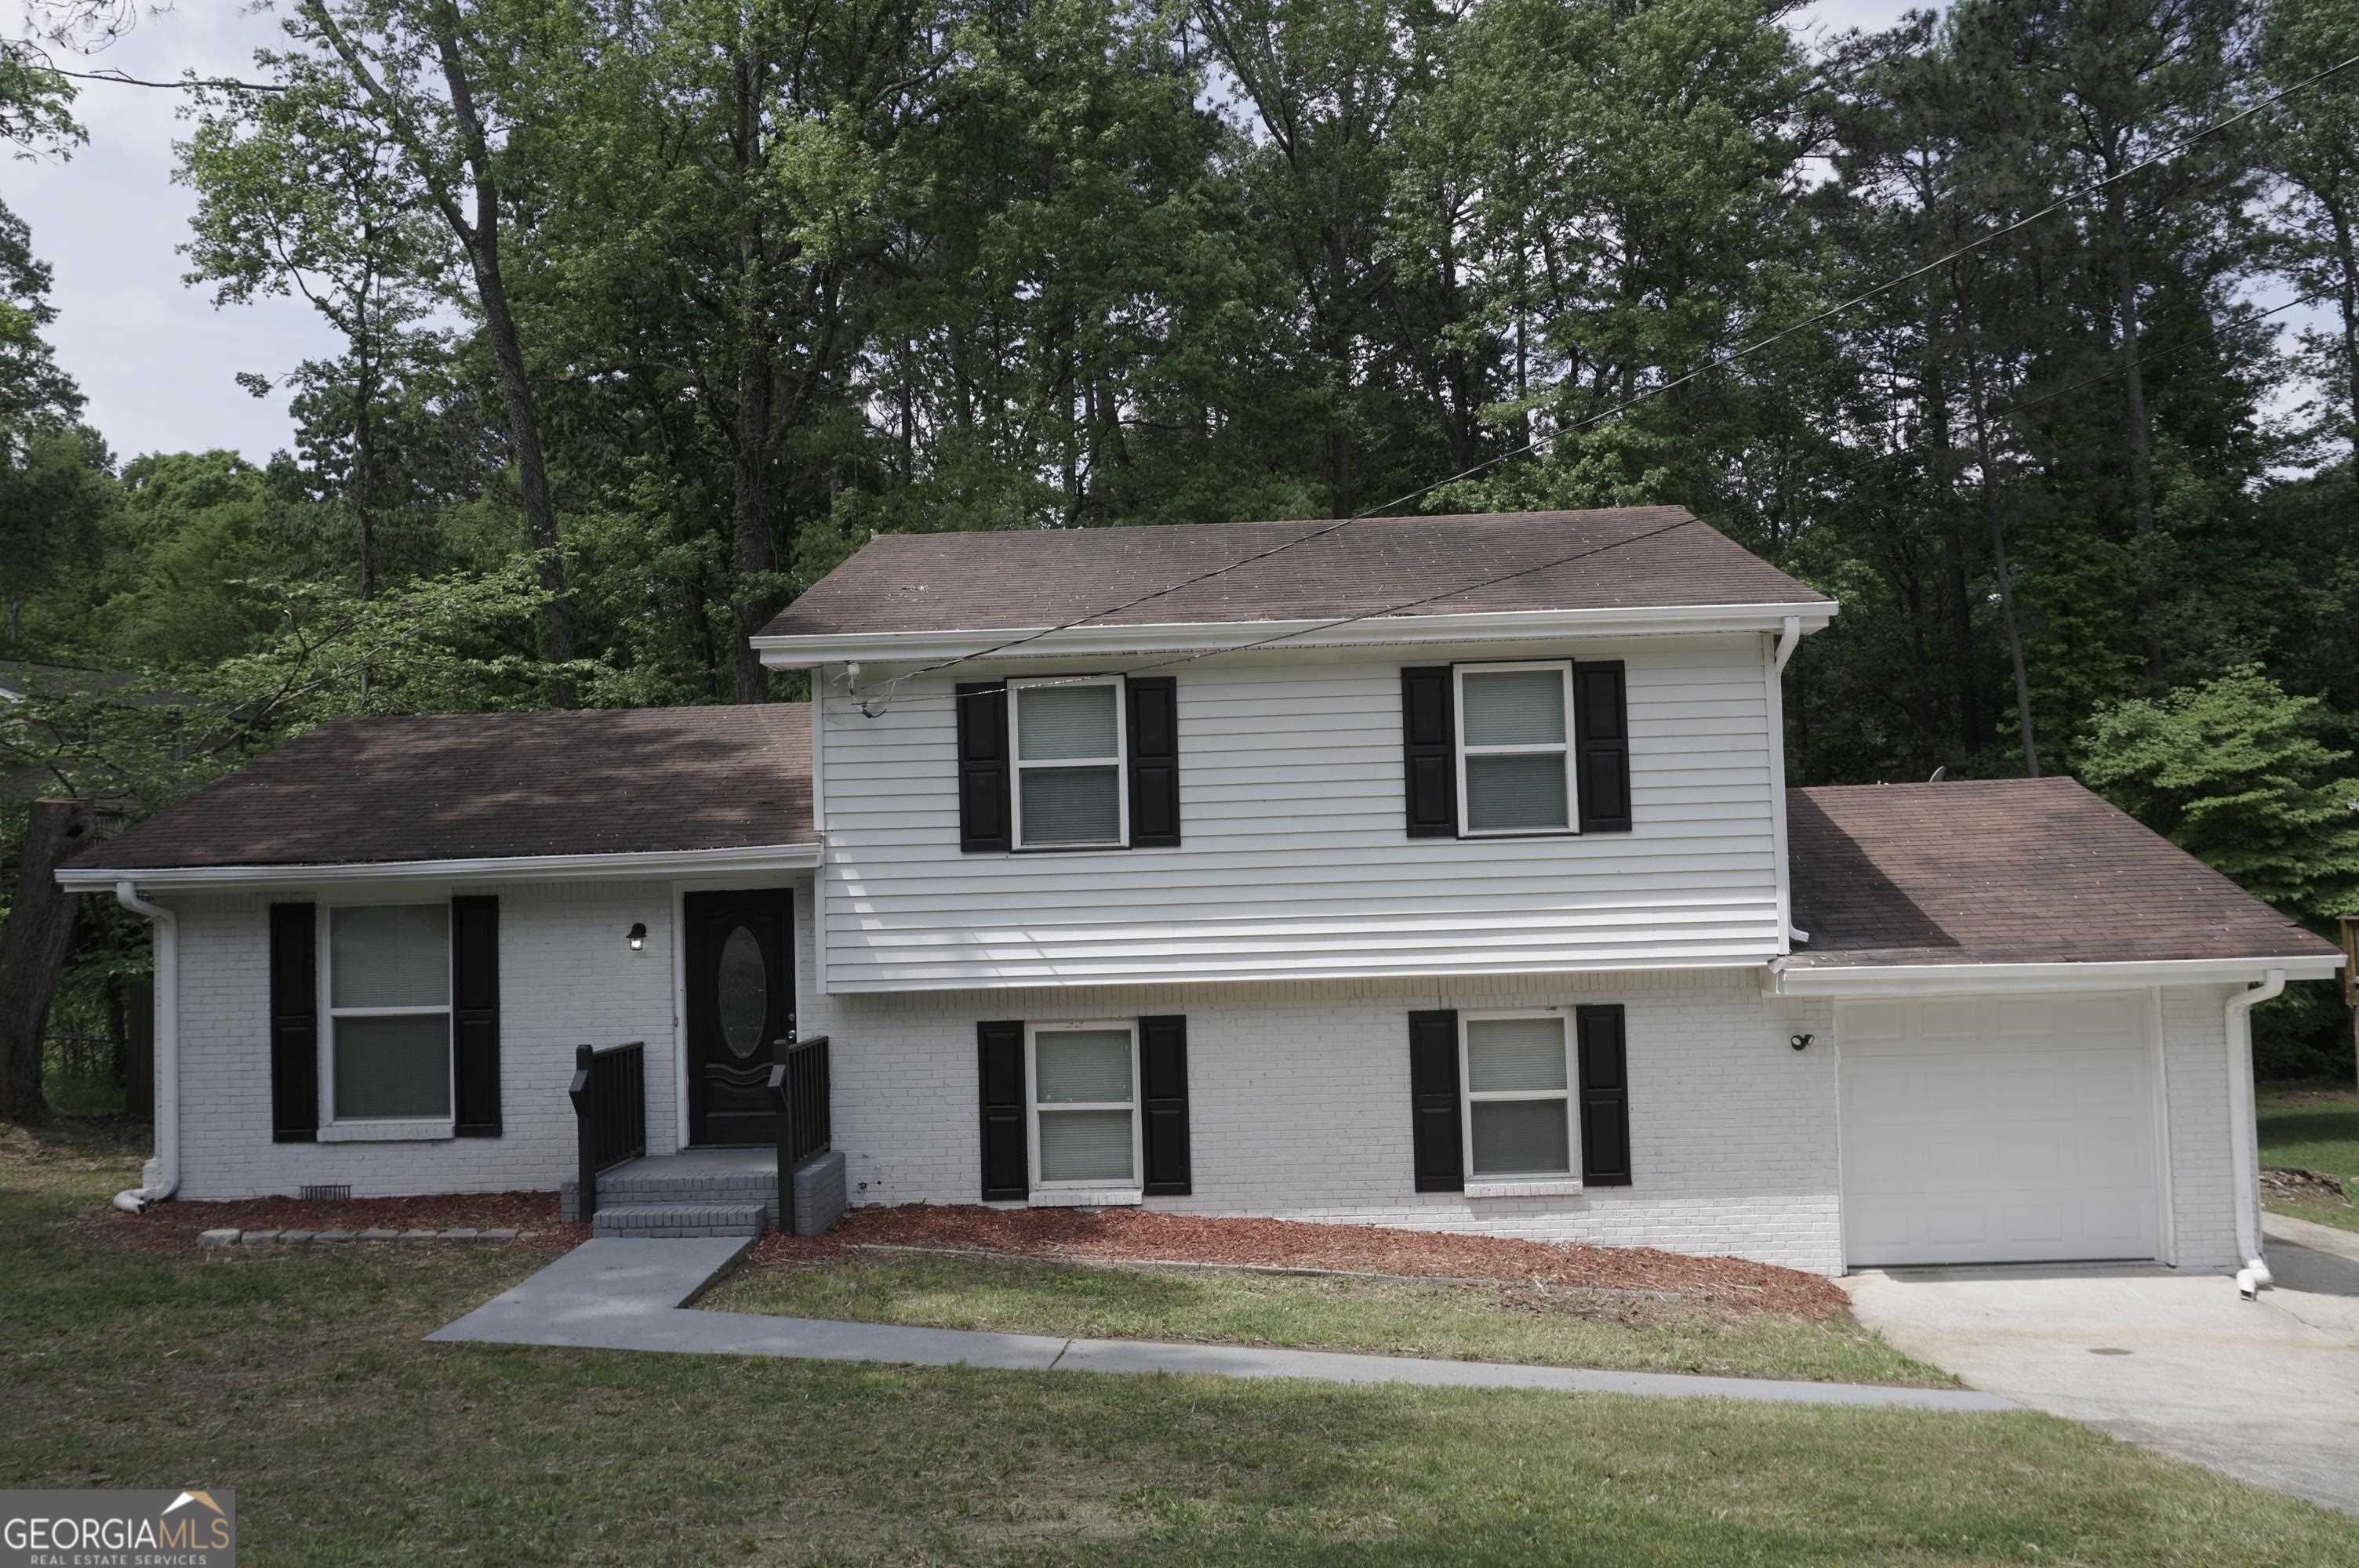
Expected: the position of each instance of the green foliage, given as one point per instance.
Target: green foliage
(732, 286)
(2240, 773)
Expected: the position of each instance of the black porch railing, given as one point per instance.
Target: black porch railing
(610, 1112)
(799, 1079)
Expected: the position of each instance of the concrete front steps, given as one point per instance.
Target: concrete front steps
(710, 1193)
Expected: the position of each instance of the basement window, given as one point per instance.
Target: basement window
(1519, 1104)
(1084, 1104)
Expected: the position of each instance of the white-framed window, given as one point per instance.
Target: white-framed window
(1515, 762)
(385, 986)
(1071, 753)
(1082, 1080)
(1518, 1072)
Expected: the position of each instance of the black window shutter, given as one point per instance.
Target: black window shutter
(1006, 1159)
(1430, 744)
(1603, 753)
(294, 1023)
(475, 1015)
(1433, 1101)
(982, 766)
(1154, 761)
(1163, 1104)
(1604, 1070)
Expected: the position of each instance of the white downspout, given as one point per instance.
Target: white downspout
(1789, 636)
(2244, 1136)
(162, 1178)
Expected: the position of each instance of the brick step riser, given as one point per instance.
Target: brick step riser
(680, 1219)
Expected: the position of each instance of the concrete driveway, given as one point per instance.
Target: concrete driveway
(2267, 1392)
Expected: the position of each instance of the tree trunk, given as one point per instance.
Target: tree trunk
(482, 243)
(752, 441)
(364, 496)
(2010, 628)
(2347, 253)
(1960, 606)
(2141, 455)
(750, 463)
(33, 948)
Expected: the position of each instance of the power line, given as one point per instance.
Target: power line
(1858, 465)
(1615, 411)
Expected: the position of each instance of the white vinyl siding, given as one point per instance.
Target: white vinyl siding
(1296, 863)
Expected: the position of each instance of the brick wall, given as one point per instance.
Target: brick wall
(1299, 1092)
(1298, 1105)
(567, 978)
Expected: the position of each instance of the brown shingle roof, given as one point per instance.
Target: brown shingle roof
(2012, 870)
(497, 784)
(1647, 556)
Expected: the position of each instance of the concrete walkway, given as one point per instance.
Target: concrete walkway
(625, 1293)
(2265, 1391)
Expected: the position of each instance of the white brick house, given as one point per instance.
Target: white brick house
(1434, 872)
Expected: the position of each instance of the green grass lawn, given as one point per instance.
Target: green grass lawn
(2313, 1129)
(1467, 1323)
(297, 1378)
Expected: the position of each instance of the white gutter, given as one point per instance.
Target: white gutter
(498, 867)
(1790, 635)
(1320, 632)
(161, 1176)
(2243, 1135)
(1791, 978)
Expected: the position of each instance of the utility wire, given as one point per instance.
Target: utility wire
(1815, 318)
(1859, 465)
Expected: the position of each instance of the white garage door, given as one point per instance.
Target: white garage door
(1998, 1129)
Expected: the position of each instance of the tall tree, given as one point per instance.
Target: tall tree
(2312, 146)
(301, 193)
(432, 74)
(2121, 82)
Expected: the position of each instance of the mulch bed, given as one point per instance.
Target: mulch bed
(2290, 1183)
(174, 1227)
(1141, 1235)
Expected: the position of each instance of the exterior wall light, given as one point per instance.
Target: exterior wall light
(1799, 1041)
(638, 935)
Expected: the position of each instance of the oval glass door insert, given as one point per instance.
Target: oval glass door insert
(744, 987)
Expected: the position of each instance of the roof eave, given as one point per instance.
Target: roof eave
(1869, 980)
(492, 867)
(791, 652)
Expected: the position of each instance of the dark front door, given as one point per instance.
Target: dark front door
(741, 1003)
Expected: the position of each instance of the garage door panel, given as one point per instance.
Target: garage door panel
(1998, 1129)
(2036, 1223)
(1946, 1021)
(1883, 1089)
(2119, 1079)
(2108, 1156)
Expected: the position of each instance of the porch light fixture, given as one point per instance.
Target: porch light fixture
(638, 935)
(1799, 1041)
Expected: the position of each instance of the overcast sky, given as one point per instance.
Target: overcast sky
(153, 356)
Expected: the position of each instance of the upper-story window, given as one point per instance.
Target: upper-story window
(1515, 772)
(1515, 748)
(1069, 762)
(1068, 765)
